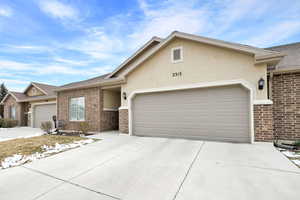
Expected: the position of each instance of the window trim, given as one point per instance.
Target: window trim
(181, 54)
(69, 110)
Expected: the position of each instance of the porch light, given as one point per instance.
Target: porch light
(124, 95)
(261, 84)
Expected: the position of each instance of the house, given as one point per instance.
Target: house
(182, 86)
(31, 107)
(285, 92)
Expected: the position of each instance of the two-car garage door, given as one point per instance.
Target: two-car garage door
(215, 113)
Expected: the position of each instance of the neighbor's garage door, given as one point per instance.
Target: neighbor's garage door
(43, 113)
(218, 113)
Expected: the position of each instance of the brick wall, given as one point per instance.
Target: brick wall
(286, 108)
(263, 122)
(123, 120)
(93, 107)
(10, 101)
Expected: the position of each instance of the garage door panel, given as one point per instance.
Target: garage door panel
(43, 113)
(220, 113)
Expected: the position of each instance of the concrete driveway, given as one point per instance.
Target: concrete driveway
(18, 132)
(135, 168)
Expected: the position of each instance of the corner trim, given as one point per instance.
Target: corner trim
(242, 82)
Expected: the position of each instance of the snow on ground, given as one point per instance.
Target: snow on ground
(293, 156)
(18, 159)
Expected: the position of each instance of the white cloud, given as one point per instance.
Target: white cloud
(5, 11)
(71, 62)
(58, 9)
(12, 81)
(275, 33)
(13, 65)
(97, 44)
(171, 15)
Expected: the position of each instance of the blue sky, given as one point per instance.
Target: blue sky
(60, 41)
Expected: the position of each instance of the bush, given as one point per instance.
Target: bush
(8, 123)
(46, 127)
(297, 143)
(84, 127)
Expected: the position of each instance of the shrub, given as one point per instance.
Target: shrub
(84, 127)
(297, 143)
(8, 123)
(46, 127)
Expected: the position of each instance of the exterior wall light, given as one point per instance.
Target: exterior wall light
(124, 95)
(261, 84)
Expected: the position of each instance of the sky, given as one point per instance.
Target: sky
(62, 41)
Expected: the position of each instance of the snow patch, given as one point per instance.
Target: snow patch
(297, 162)
(291, 154)
(18, 159)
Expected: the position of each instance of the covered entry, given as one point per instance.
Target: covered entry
(213, 113)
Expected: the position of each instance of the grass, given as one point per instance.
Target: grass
(28, 146)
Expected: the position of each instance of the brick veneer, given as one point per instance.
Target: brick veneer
(286, 108)
(93, 106)
(123, 120)
(263, 122)
(10, 101)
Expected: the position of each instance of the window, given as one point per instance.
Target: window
(76, 109)
(177, 55)
(13, 112)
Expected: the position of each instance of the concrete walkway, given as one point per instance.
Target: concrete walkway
(135, 168)
(18, 132)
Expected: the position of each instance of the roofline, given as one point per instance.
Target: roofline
(260, 54)
(153, 39)
(111, 81)
(37, 98)
(6, 96)
(33, 83)
(282, 45)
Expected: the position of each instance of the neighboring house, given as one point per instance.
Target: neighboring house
(183, 86)
(31, 107)
(285, 92)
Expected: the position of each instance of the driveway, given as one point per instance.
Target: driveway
(135, 168)
(18, 132)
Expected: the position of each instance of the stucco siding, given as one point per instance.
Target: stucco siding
(201, 63)
(112, 99)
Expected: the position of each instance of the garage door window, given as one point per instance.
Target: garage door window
(77, 109)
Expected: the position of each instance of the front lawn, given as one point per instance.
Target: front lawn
(41, 146)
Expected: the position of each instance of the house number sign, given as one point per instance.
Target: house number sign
(176, 74)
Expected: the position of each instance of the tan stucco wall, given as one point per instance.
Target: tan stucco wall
(201, 63)
(33, 91)
(112, 99)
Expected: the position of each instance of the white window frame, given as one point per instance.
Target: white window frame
(181, 54)
(13, 115)
(77, 119)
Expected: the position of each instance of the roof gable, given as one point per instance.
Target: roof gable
(151, 43)
(260, 55)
